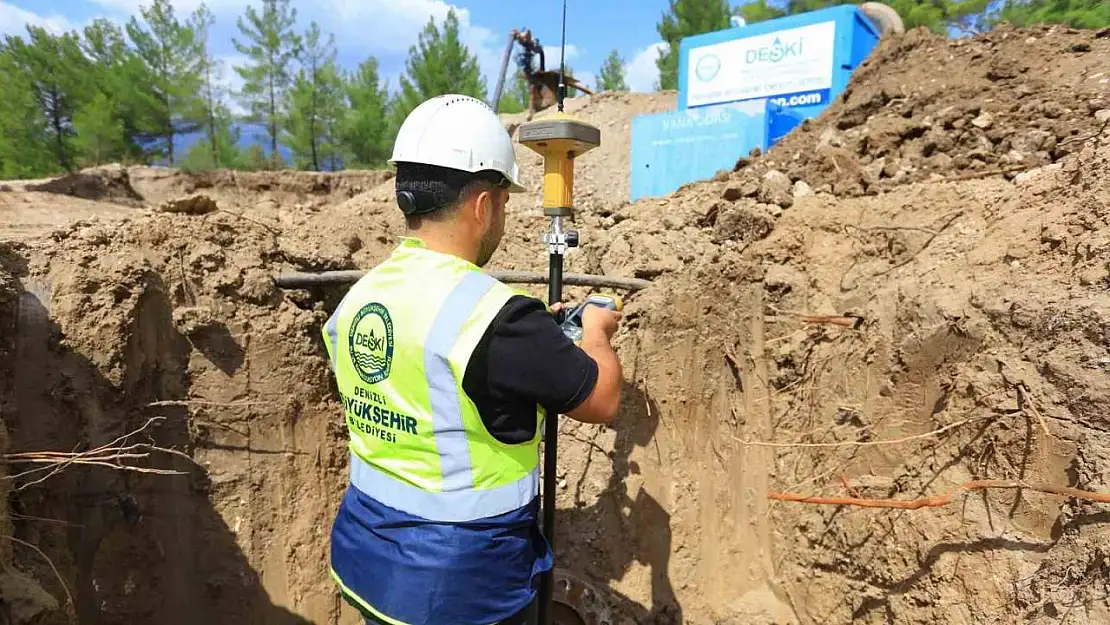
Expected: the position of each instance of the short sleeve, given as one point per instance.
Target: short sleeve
(524, 359)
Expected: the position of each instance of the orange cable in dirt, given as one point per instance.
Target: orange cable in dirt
(941, 500)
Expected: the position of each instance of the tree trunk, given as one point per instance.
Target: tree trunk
(56, 120)
(312, 122)
(273, 117)
(210, 105)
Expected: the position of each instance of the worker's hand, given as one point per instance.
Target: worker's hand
(603, 319)
(557, 308)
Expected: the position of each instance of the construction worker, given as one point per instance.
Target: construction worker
(446, 375)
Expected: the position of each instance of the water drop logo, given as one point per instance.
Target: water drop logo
(707, 67)
(370, 343)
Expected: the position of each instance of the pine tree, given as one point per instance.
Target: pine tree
(58, 76)
(272, 45)
(120, 75)
(365, 127)
(611, 77)
(315, 102)
(170, 52)
(439, 63)
(683, 19)
(99, 129)
(211, 92)
(25, 149)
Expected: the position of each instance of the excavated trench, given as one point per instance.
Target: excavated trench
(883, 306)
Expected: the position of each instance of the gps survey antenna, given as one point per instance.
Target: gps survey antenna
(559, 139)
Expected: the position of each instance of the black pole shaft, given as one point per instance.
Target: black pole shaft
(550, 452)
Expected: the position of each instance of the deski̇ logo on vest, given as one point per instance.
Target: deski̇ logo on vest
(370, 343)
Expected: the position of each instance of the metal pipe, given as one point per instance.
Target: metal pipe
(297, 280)
(501, 77)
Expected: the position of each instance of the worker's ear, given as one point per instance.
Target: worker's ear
(484, 209)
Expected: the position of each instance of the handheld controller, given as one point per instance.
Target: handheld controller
(572, 325)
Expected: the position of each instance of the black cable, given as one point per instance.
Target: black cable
(562, 61)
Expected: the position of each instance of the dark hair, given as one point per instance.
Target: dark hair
(433, 192)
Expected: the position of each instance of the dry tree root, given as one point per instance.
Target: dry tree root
(942, 500)
(109, 455)
(69, 596)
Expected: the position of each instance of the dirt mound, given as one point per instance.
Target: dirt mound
(924, 107)
(893, 339)
(106, 184)
(158, 185)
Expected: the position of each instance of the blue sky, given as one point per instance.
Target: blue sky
(386, 28)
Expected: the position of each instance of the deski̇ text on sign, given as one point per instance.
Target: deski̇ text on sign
(782, 63)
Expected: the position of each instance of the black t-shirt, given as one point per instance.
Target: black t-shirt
(522, 360)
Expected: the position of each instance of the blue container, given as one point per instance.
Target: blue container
(780, 121)
(799, 61)
(743, 88)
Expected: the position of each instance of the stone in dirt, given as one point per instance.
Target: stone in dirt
(776, 189)
(192, 205)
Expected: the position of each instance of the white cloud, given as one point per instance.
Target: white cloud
(551, 55)
(382, 27)
(642, 73)
(180, 7)
(14, 21)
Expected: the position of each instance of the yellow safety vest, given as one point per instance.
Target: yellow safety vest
(399, 344)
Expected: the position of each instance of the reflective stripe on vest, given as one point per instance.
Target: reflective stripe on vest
(460, 495)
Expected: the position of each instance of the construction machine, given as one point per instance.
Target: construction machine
(543, 84)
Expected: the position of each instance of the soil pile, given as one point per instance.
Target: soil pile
(893, 342)
(925, 107)
(106, 184)
(792, 333)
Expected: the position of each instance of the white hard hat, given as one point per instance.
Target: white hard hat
(459, 132)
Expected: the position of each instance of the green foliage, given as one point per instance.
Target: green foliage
(56, 73)
(365, 125)
(439, 63)
(216, 118)
(611, 77)
(168, 102)
(255, 158)
(24, 151)
(271, 45)
(99, 129)
(1074, 13)
(683, 19)
(118, 73)
(315, 104)
(936, 15)
(223, 152)
(515, 97)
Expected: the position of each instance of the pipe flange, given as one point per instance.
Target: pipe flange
(576, 602)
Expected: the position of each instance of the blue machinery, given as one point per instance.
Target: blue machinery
(747, 87)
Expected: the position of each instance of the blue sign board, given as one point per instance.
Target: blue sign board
(797, 61)
(671, 149)
(743, 88)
